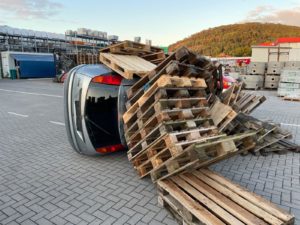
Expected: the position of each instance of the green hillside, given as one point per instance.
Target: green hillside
(235, 39)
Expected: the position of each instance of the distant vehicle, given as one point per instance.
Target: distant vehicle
(94, 104)
(228, 81)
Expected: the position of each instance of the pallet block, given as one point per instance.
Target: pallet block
(205, 197)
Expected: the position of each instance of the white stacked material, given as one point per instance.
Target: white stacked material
(289, 83)
(137, 39)
(253, 81)
(148, 42)
(29, 33)
(272, 81)
(275, 67)
(292, 64)
(69, 32)
(234, 75)
(113, 37)
(257, 68)
(82, 31)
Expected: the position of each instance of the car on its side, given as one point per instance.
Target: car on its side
(95, 99)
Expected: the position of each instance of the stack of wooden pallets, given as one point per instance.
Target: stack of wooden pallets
(170, 124)
(178, 121)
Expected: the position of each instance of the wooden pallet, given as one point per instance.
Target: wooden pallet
(162, 105)
(179, 89)
(131, 48)
(231, 95)
(271, 138)
(151, 94)
(205, 197)
(182, 55)
(153, 159)
(293, 99)
(248, 102)
(176, 140)
(145, 121)
(267, 134)
(126, 65)
(211, 150)
(172, 125)
(222, 115)
(152, 54)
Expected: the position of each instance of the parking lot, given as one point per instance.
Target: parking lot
(42, 181)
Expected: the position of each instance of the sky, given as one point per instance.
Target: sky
(162, 21)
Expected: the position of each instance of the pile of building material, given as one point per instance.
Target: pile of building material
(254, 79)
(178, 120)
(289, 86)
(273, 74)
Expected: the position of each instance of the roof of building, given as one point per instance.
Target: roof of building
(288, 40)
(281, 41)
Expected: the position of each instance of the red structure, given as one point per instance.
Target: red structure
(281, 41)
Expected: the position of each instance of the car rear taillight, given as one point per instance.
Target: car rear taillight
(111, 148)
(108, 79)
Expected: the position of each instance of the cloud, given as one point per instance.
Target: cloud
(30, 9)
(268, 14)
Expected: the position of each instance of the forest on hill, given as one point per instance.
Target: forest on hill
(235, 39)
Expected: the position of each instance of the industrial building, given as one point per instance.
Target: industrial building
(27, 53)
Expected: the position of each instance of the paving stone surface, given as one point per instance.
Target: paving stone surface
(43, 181)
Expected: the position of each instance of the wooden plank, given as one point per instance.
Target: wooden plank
(235, 209)
(211, 205)
(259, 212)
(197, 210)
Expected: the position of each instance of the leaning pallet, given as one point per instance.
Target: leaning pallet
(205, 197)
